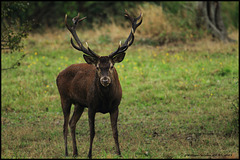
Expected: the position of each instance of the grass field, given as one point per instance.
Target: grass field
(179, 100)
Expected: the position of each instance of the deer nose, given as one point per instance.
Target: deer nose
(105, 81)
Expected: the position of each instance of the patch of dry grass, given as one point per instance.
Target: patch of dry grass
(155, 22)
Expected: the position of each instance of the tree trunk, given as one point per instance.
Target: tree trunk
(209, 17)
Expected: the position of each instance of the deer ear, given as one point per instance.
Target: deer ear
(118, 58)
(90, 59)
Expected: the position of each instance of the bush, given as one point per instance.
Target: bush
(13, 25)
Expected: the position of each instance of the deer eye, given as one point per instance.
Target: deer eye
(97, 68)
(111, 67)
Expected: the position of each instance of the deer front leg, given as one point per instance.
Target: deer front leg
(78, 110)
(114, 118)
(91, 120)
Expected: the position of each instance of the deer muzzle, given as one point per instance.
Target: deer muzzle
(105, 81)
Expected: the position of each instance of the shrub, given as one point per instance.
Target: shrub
(13, 27)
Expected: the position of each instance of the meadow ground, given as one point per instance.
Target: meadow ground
(179, 100)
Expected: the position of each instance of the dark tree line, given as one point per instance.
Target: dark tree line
(51, 13)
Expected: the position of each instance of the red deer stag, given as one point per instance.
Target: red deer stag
(94, 85)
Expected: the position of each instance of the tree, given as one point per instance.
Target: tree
(209, 17)
(13, 26)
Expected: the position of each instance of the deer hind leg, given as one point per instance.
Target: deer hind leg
(114, 118)
(78, 110)
(66, 107)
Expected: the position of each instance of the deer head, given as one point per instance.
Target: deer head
(104, 64)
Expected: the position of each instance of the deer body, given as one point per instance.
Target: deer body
(79, 84)
(93, 85)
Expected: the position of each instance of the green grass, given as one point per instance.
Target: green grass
(177, 101)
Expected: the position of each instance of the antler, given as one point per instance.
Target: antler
(72, 29)
(130, 39)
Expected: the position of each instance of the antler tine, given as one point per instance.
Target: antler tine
(130, 38)
(72, 29)
(134, 20)
(76, 19)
